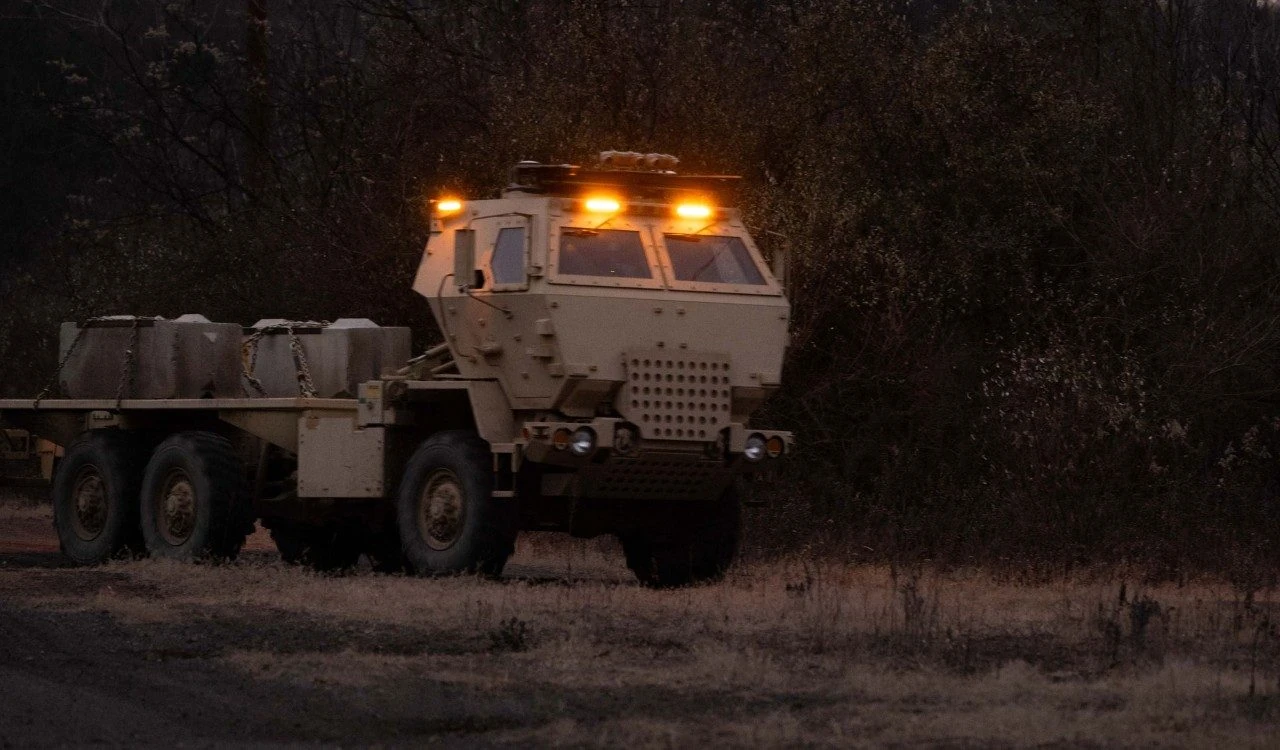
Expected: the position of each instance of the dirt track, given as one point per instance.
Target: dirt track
(89, 676)
(568, 650)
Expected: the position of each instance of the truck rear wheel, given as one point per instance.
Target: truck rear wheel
(448, 519)
(193, 501)
(699, 546)
(95, 497)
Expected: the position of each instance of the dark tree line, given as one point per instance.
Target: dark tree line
(1033, 244)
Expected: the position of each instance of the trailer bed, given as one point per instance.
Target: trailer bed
(60, 420)
(175, 404)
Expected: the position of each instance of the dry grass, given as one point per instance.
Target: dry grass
(789, 653)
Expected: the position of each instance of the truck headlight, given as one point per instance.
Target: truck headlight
(584, 440)
(754, 448)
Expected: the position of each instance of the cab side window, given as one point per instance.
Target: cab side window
(508, 256)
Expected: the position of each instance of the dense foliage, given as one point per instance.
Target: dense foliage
(1032, 244)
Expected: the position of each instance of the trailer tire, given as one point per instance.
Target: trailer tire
(699, 547)
(95, 497)
(448, 520)
(326, 549)
(194, 503)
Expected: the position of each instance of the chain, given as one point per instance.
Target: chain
(81, 328)
(302, 370)
(129, 366)
(53, 381)
(305, 386)
(249, 361)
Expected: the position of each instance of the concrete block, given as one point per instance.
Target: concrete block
(339, 356)
(188, 357)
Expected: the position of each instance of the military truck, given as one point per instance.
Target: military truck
(608, 332)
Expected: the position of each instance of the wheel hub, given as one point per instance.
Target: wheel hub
(441, 509)
(176, 504)
(90, 513)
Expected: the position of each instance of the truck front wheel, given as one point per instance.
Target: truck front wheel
(95, 497)
(448, 520)
(193, 499)
(698, 545)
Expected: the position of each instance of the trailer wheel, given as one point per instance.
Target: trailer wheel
(323, 548)
(194, 504)
(699, 547)
(448, 520)
(95, 497)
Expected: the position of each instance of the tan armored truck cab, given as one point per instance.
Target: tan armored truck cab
(608, 333)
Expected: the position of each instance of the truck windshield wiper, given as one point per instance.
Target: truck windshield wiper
(714, 256)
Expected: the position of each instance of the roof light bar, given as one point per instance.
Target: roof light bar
(600, 204)
(693, 211)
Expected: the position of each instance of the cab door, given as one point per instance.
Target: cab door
(512, 338)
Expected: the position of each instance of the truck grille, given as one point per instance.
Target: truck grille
(670, 396)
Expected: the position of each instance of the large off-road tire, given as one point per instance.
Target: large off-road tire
(194, 504)
(698, 546)
(95, 497)
(323, 548)
(448, 520)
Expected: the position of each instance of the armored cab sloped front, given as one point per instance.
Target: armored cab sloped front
(633, 327)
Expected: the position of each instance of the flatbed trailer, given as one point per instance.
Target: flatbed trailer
(274, 420)
(320, 473)
(61, 420)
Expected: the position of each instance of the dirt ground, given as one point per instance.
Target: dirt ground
(567, 650)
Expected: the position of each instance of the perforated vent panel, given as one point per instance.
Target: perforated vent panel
(676, 396)
(654, 479)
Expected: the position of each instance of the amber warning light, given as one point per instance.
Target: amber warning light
(448, 206)
(693, 211)
(599, 204)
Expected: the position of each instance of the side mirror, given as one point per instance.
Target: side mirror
(478, 281)
(780, 264)
(464, 257)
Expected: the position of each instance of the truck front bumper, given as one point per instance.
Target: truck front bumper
(606, 441)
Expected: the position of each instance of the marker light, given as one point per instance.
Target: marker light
(755, 448)
(448, 206)
(584, 439)
(603, 205)
(693, 211)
